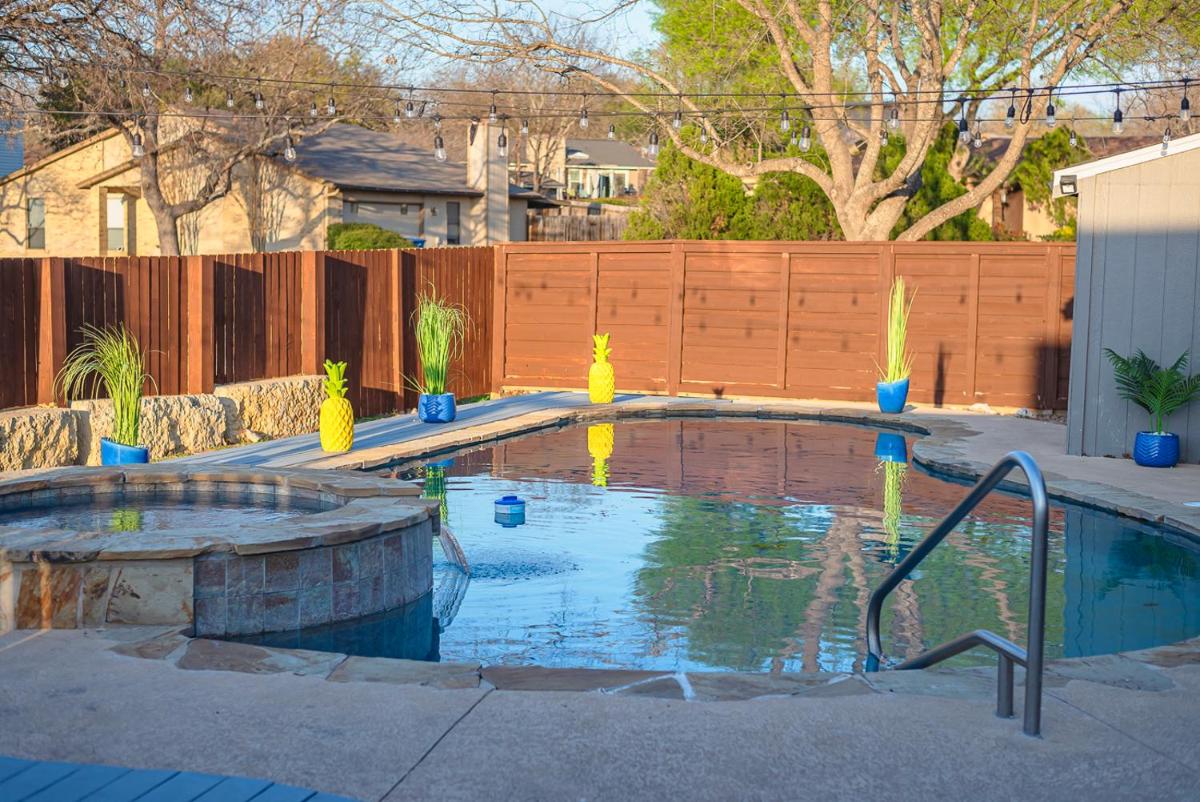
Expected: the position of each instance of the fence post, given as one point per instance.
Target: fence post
(312, 312)
(201, 356)
(1051, 345)
(499, 306)
(396, 284)
(973, 329)
(675, 332)
(52, 327)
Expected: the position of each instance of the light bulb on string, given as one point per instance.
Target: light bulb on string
(493, 112)
(259, 103)
(1166, 140)
(883, 137)
(612, 131)
(331, 107)
(396, 116)
(1118, 120)
(1074, 140)
(502, 145)
(439, 148)
(145, 90)
(138, 150)
(964, 131)
(312, 110)
(410, 108)
(524, 127)
(583, 118)
(785, 121)
(64, 80)
(228, 99)
(188, 97)
(977, 138)
(703, 130)
(1010, 117)
(1185, 106)
(677, 120)
(894, 118)
(1051, 117)
(795, 140)
(805, 138)
(437, 122)
(652, 148)
(289, 151)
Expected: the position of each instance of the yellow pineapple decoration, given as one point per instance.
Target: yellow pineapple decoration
(337, 416)
(600, 446)
(602, 382)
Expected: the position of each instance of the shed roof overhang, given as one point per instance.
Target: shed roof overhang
(1066, 180)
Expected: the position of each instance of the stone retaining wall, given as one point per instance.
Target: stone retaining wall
(172, 425)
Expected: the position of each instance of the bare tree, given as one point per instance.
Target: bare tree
(260, 191)
(901, 55)
(224, 81)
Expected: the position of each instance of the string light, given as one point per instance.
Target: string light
(524, 127)
(977, 138)
(964, 133)
(1074, 140)
(493, 115)
(502, 144)
(312, 111)
(1185, 106)
(410, 108)
(331, 107)
(805, 139)
(883, 137)
(1051, 118)
(259, 103)
(1118, 120)
(228, 99)
(137, 150)
(187, 95)
(583, 118)
(145, 90)
(894, 118)
(612, 131)
(677, 120)
(289, 152)
(795, 140)
(785, 121)
(1166, 140)
(652, 148)
(439, 148)
(1010, 117)
(64, 80)
(396, 117)
(703, 130)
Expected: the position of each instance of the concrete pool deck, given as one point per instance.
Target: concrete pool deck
(1111, 733)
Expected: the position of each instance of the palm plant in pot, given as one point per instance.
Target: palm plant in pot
(1160, 391)
(892, 389)
(110, 362)
(440, 328)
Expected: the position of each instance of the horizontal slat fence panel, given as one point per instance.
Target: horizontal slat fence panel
(990, 323)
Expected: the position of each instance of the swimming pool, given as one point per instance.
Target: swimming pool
(713, 545)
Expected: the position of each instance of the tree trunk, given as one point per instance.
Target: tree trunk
(164, 219)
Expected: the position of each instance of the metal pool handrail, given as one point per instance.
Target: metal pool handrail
(1009, 653)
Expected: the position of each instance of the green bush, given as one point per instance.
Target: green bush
(363, 237)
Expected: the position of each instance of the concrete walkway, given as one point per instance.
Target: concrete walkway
(1117, 734)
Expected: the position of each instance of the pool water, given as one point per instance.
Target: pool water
(120, 513)
(707, 545)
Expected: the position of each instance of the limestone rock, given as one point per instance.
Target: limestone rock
(38, 437)
(272, 407)
(171, 425)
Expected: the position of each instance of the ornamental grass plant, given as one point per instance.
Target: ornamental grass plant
(109, 362)
(899, 359)
(440, 327)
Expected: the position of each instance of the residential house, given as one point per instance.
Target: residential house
(86, 200)
(592, 168)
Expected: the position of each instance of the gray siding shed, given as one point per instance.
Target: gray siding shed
(1137, 285)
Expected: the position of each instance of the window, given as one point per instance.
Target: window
(35, 234)
(453, 227)
(115, 216)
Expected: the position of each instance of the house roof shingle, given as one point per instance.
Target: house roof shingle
(605, 152)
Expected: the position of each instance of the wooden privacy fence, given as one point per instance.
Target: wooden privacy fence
(990, 323)
(205, 320)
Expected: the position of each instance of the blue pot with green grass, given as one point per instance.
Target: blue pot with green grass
(1156, 449)
(436, 408)
(113, 453)
(891, 447)
(892, 396)
(891, 392)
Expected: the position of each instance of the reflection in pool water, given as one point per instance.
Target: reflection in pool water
(150, 513)
(752, 545)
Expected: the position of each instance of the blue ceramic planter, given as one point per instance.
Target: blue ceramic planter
(436, 408)
(116, 454)
(891, 447)
(891, 396)
(1154, 450)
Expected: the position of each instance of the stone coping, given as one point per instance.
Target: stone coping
(1141, 670)
(346, 508)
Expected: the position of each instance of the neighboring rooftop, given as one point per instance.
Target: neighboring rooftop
(12, 151)
(605, 153)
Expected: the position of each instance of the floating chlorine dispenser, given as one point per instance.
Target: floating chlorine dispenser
(510, 511)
